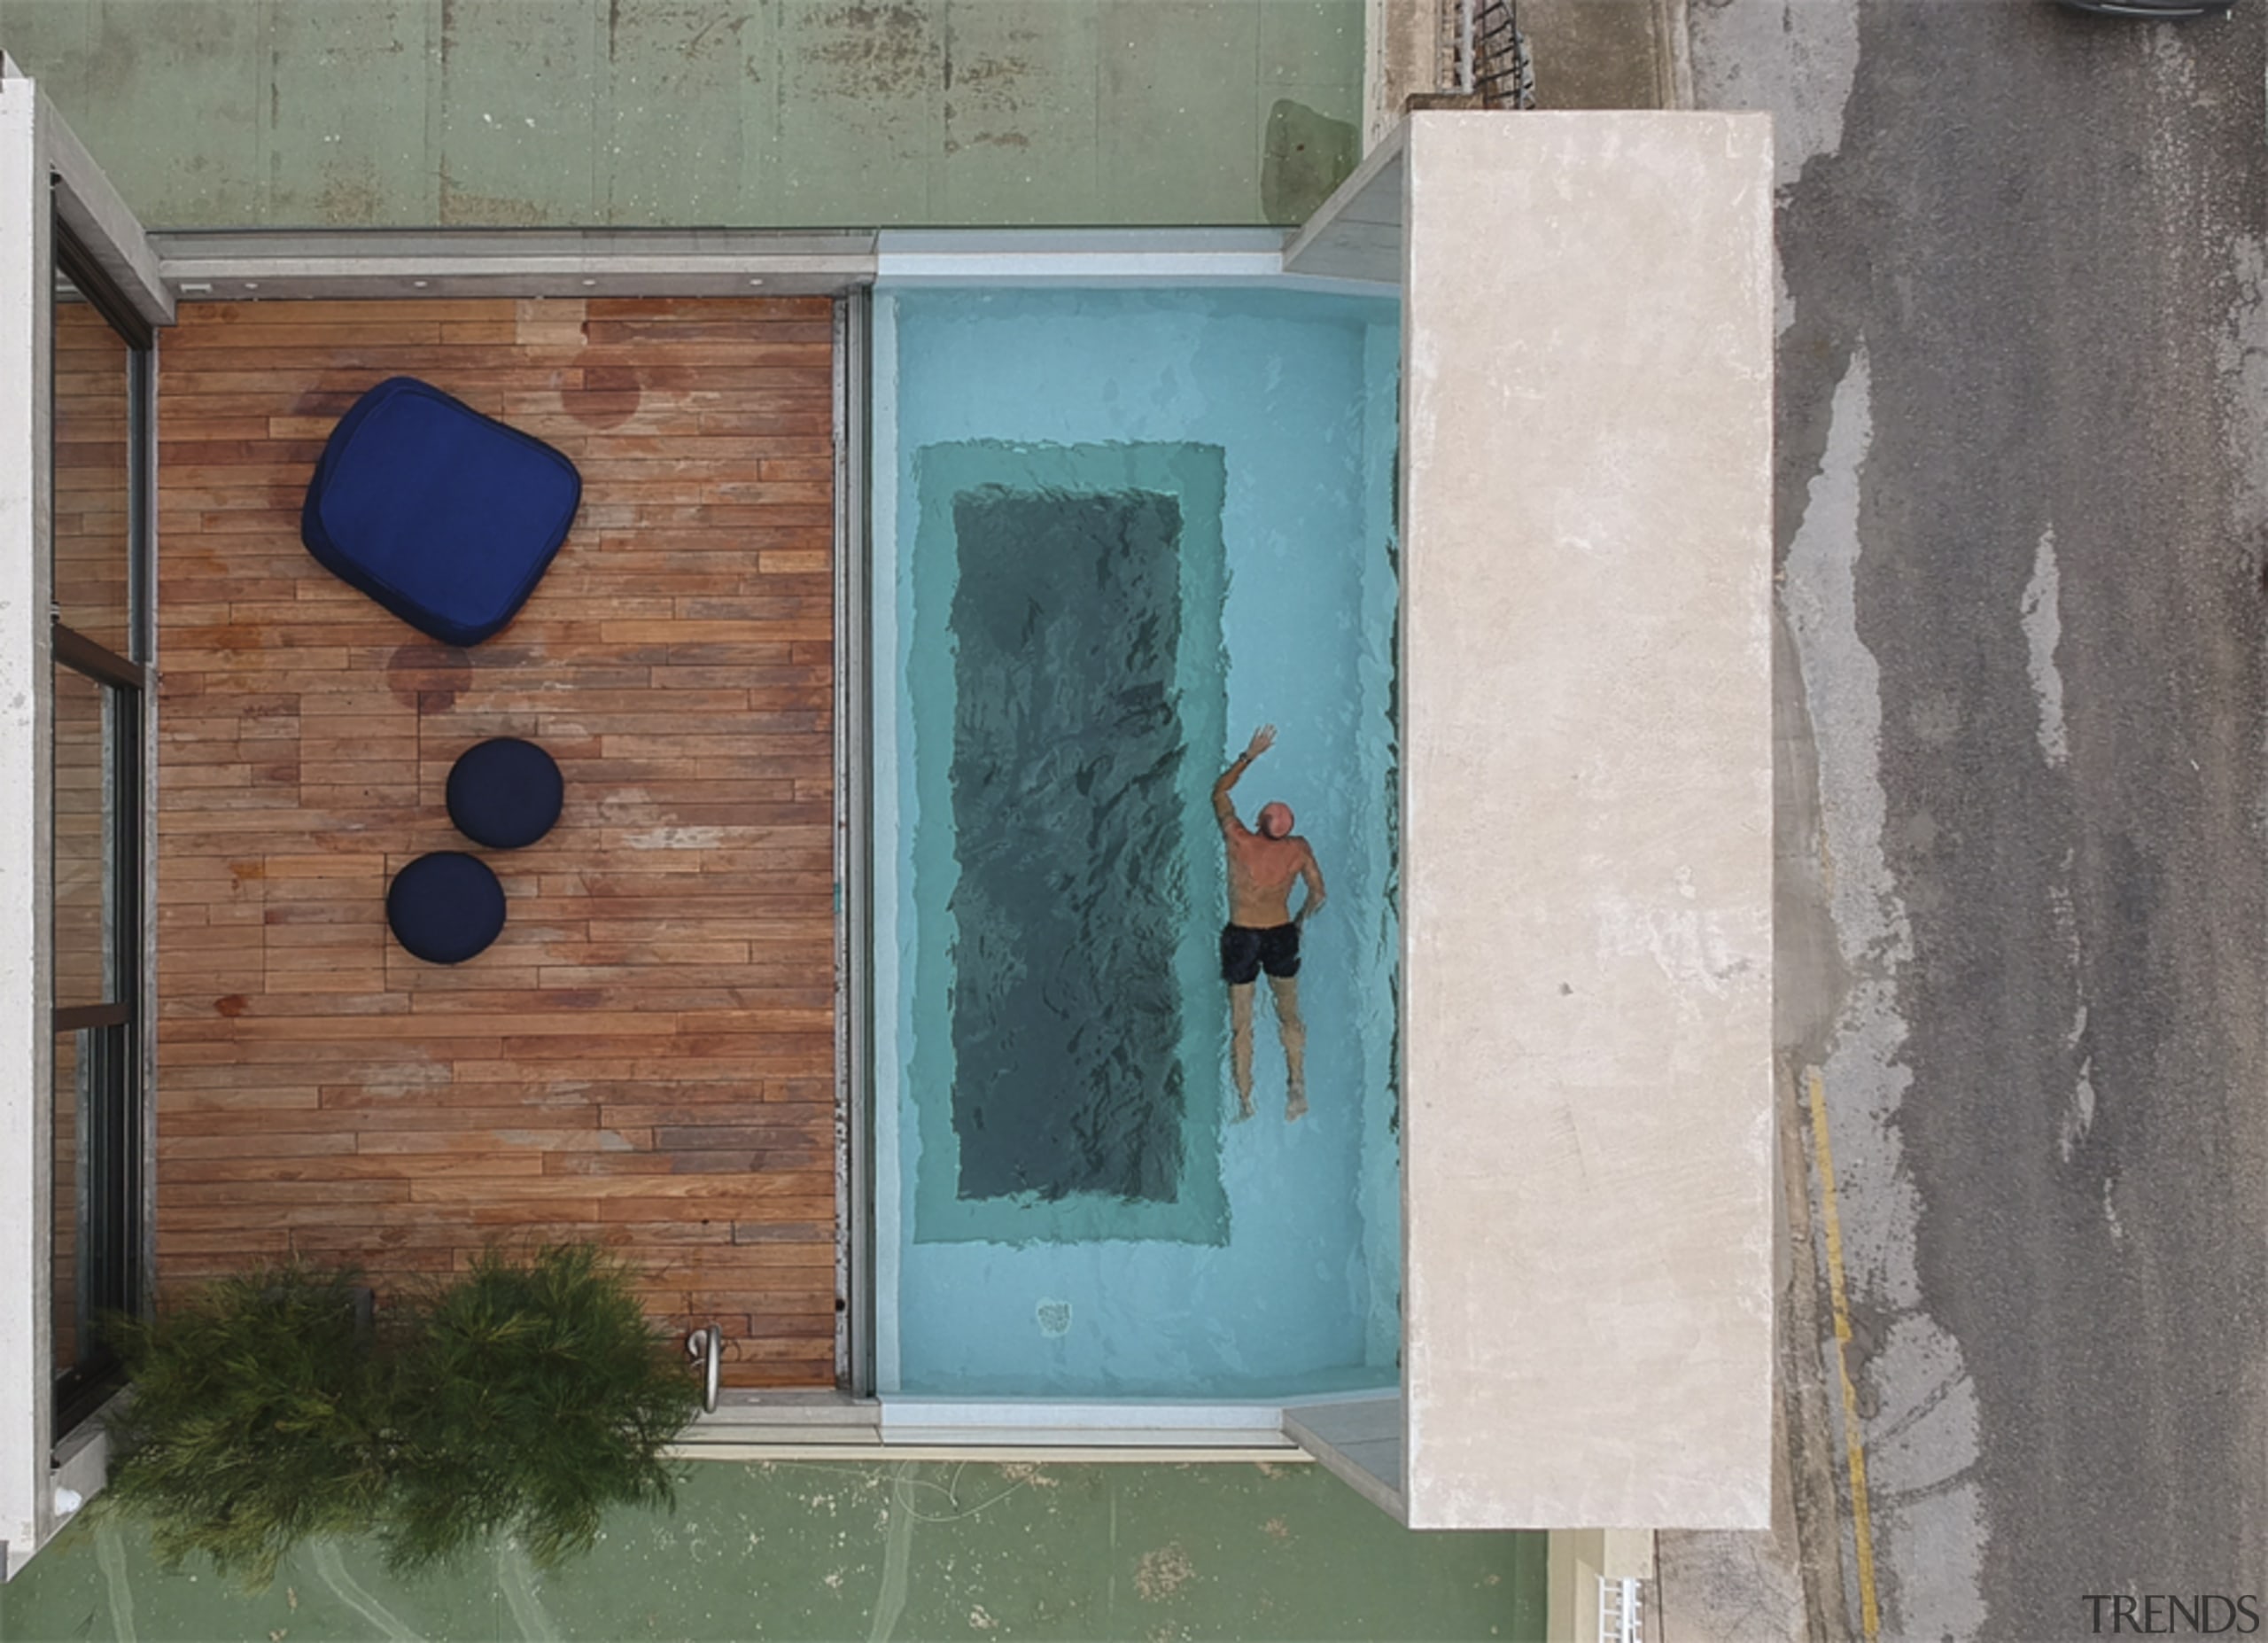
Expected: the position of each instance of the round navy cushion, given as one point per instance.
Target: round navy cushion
(505, 793)
(446, 907)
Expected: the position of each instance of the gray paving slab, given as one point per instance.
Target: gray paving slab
(522, 90)
(203, 144)
(861, 124)
(1160, 59)
(1020, 118)
(346, 97)
(685, 83)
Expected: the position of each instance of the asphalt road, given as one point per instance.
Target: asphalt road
(2022, 524)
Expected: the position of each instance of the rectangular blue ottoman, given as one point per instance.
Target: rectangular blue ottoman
(446, 517)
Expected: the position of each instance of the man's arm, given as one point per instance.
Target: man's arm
(1311, 875)
(1225, 810)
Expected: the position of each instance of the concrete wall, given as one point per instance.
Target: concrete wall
(26, 1041)
(1587, 852)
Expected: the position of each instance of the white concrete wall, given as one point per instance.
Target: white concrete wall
(27, 1400)
(45, 171)
(1587, 839)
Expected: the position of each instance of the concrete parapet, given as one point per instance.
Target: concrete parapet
(1588, 1098)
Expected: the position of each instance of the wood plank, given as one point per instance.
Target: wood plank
(646, 1056)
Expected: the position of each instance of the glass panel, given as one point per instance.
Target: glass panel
(85, 819)
(68, 1198)
(93, 474)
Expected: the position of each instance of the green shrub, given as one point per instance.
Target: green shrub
(535, 1396)
(525, 1398)
(257, 1420)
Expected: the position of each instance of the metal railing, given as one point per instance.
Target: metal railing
(1498, 67)
(1621, 1609)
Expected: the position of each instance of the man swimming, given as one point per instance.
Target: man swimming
(1262, 934)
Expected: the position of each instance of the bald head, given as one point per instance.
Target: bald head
(1276, 819)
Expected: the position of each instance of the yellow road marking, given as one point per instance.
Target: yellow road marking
(1854, 1446)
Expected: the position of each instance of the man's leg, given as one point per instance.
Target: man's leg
(1240, 1046)
(1287, 990)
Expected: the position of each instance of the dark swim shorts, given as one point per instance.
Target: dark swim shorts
(1245, 952)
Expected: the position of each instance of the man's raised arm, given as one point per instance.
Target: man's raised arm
(1224, 809)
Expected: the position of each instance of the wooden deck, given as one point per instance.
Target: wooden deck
(646, 1056)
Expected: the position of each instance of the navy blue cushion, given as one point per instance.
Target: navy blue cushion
(446, 907)
(446, 517)
(504, 793)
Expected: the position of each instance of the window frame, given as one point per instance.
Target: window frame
(113, 1190)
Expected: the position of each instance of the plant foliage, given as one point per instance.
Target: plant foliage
(537, 1396)
(523, 1397)
(257, 1420)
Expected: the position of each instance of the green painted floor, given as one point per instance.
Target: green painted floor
(773, 114)
(915, 1551)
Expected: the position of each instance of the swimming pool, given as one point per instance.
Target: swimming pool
(1112, 531)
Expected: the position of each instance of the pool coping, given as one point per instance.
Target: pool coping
(840, 1426)
(888, 764)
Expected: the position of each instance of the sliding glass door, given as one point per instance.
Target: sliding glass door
(100, 580)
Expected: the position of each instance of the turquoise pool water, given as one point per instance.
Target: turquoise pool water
(1114, 531)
